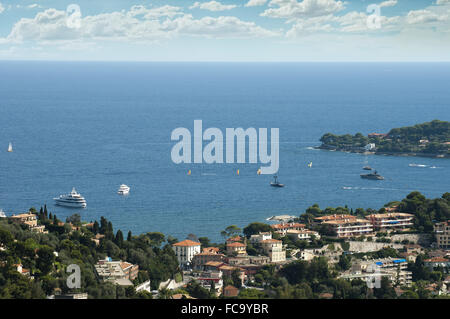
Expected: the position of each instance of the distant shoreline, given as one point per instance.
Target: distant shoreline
(399, 154)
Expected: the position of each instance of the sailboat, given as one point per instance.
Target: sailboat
(310, 164)
(10, 149)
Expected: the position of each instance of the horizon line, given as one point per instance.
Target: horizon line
(224, 61)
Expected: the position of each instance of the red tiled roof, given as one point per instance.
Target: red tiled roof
(335, 217)
(230, 291)
(187, 243)
(437, 260)
(287, 226)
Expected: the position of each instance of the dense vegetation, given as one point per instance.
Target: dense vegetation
(36, 252)
(426, 138)
(48, 255)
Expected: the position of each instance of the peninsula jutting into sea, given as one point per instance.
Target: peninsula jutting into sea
(431, 139)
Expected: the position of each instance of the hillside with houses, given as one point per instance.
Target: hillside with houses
(401, 250)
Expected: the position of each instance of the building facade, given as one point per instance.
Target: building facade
(391, 221)
(442, 232)
(185, 251)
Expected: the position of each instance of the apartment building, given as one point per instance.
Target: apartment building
(118, 272)
(327, 218)
(283, 228)
(207, 255)
(274, 248)
(442, 232)
(351, 227)
(391, 221)
(392, 268)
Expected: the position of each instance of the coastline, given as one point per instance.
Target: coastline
(401, 154)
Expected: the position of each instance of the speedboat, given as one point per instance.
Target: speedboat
(373, 176)
(367, 168)
(74, 199)
(123, 190)
(275, 182)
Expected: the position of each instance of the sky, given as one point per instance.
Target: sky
(225, 30)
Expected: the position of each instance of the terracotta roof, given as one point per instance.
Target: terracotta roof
(23, 215)
(180, 296)
(335, 217)
(387, 215)
(231, 291)
(326, 295)
(124, 265)
(187, 243)
(214, 263)
(346, 221)
(437, 260)
(228, 267)
(287, 226)
(210, 250)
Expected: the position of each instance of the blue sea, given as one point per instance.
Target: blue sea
(94, 126)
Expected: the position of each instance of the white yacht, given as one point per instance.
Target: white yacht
(123, 190)
(74, 199)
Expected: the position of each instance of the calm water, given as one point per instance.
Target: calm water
(98, 125)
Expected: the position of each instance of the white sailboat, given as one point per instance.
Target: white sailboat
(2, 214)
(10, 149)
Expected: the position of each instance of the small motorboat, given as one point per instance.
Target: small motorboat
(123, 190)
(367, 168)
(275, 182)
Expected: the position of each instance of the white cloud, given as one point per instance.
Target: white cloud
(388, 3)
(164, 11)
(137, 24)
(426, 17)
(255, 3)
(2, 8)
(349, 23)
(292, 9)
(442, 2)
(212, 6)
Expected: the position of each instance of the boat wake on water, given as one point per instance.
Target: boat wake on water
(422, 166)
(370, 188)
